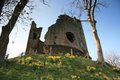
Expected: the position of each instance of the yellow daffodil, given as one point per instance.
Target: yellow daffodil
(28, 58)
(53, 57)
(69, 56)
(89, 68)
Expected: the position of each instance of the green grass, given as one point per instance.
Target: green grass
(58, 67)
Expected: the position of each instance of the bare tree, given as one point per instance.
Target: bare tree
(113, 59)
(6, 30)
(89, 6)
(12, 17)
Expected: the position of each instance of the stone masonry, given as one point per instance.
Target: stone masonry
(65, 36)
(34, 45)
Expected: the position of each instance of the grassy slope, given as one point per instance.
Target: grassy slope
(62, 67)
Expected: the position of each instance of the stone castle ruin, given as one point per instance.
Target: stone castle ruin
(34, 43)
(65, 36)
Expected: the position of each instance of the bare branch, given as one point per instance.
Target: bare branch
(113, 59)
(93, 9)
(44, 2)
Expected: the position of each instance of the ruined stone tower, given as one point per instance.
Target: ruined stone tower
(66, 36)
(34, 45)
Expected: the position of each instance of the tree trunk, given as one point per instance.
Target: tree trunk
(90, 9)
(4, 40)
(6, 30)
(2, 2)
(97, 42)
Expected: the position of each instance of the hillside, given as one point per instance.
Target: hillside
(57, 67)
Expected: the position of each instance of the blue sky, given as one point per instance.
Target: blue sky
(108, 27)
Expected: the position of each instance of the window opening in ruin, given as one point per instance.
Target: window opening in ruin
(55, 37)
(70, 36)
(54, 43)
(34, 36)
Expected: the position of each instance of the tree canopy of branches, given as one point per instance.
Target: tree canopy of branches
(113, 59)
(2, 2)
(89, 6)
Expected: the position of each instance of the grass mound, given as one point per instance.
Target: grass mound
(57, 67)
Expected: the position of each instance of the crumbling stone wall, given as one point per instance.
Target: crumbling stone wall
(66, 34)
(34, 45)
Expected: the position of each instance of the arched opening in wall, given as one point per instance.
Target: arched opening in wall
(34, 36)
(70, 36)
(55, 37)
(54, 43)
